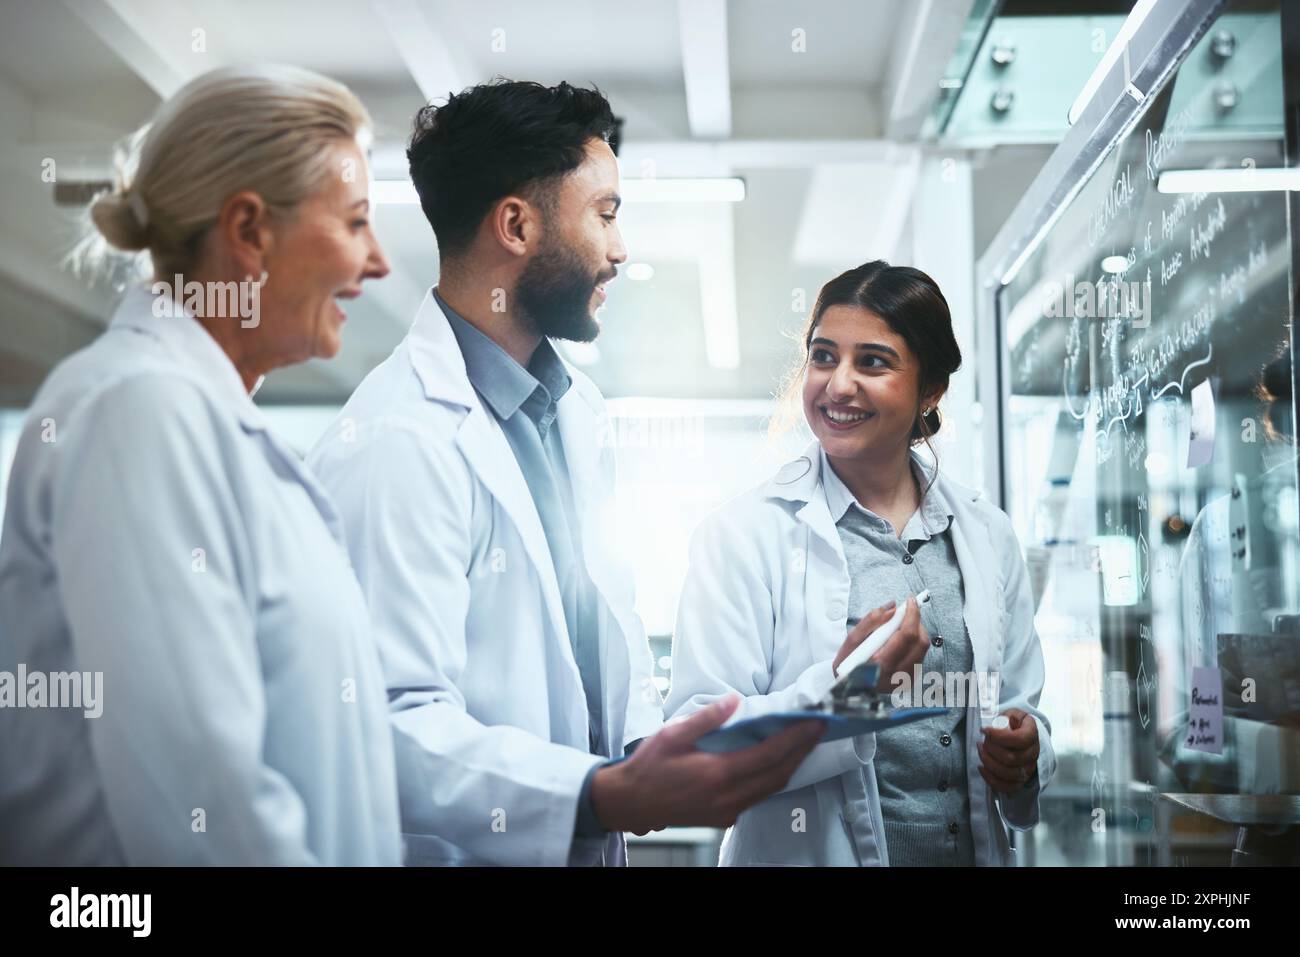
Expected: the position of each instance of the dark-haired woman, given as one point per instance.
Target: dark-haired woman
(780, 575)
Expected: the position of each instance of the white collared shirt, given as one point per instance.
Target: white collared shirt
(159, 536)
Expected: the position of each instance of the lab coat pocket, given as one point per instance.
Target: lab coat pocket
(785, 830)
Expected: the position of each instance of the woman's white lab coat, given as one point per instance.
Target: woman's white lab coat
(157, 532)
(763, 612)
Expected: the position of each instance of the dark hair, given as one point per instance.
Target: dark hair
(495, 139)
(911, 304)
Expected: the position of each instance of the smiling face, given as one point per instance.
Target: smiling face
(563, 284)
(321, 255)
(862, 388)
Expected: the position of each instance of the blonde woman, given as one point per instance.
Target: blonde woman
(161, 543)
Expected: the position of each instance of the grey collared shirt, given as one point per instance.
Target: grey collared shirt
(525, 402)
(920, 767)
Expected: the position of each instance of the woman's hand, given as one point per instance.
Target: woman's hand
(905, 647)
(1010, 755)
(861, 631)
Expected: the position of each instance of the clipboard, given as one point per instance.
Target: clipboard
(751, 731)
(852, 706)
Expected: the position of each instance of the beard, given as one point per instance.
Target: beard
(553, 295)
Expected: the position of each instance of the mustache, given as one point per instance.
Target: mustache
(600, 277)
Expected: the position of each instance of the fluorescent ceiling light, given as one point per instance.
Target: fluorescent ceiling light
(1115, 264)
(640, 271)
(1229, 180)
(722, 189)
(1117, 49)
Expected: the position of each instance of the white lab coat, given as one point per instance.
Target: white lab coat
(157, 532)
(448, 545)
(763, 613)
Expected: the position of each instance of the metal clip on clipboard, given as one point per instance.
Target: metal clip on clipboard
(854, 695)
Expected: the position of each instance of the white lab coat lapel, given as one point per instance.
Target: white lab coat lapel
(799, 481)
(485, 447)
(440, 366)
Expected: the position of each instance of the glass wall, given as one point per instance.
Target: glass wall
(1149, 467)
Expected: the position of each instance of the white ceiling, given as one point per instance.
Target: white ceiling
(843, 44)
(806, 130)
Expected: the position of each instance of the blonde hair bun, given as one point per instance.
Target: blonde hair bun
(115, 217)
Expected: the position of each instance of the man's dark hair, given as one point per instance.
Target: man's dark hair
(496, 139)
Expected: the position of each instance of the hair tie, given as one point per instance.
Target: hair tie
(138, 208)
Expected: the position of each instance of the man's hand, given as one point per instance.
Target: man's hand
(668, 782)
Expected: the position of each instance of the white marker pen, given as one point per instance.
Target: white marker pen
(877, 638)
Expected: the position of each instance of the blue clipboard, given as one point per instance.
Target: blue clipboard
(747, 733)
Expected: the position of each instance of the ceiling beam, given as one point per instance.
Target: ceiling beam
(130, 29)
(927, 34)
(437, 67)
(702, 25)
